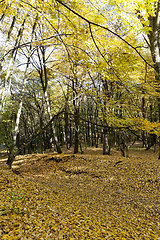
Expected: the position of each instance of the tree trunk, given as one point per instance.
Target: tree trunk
(106, 148)
(11, 157)
(154, 39)
(144, 140)
(159, 121)
(67, 132)
(55, 139)
(76, 128)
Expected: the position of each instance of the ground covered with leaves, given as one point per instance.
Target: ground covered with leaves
(90, 196)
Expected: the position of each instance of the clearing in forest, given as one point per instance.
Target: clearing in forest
(89, 196)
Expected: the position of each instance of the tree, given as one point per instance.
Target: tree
(99, 56)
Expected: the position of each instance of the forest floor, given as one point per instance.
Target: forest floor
(89, 196)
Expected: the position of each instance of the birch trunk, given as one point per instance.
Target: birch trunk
(12, 153)
(7, 87)
(7, 80)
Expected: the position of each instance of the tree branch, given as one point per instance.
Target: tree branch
(105, 28)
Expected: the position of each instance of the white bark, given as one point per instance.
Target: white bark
(7, 86)
(48, 105)
(16, 129)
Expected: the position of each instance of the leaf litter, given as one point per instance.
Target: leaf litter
(90, 196)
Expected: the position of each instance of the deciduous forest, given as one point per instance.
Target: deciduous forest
(80, 119)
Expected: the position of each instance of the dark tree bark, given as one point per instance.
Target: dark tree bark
(67, 127)
(76, 129)
(106, 146)
(11, 157)
(154, 44)
(144, 140)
